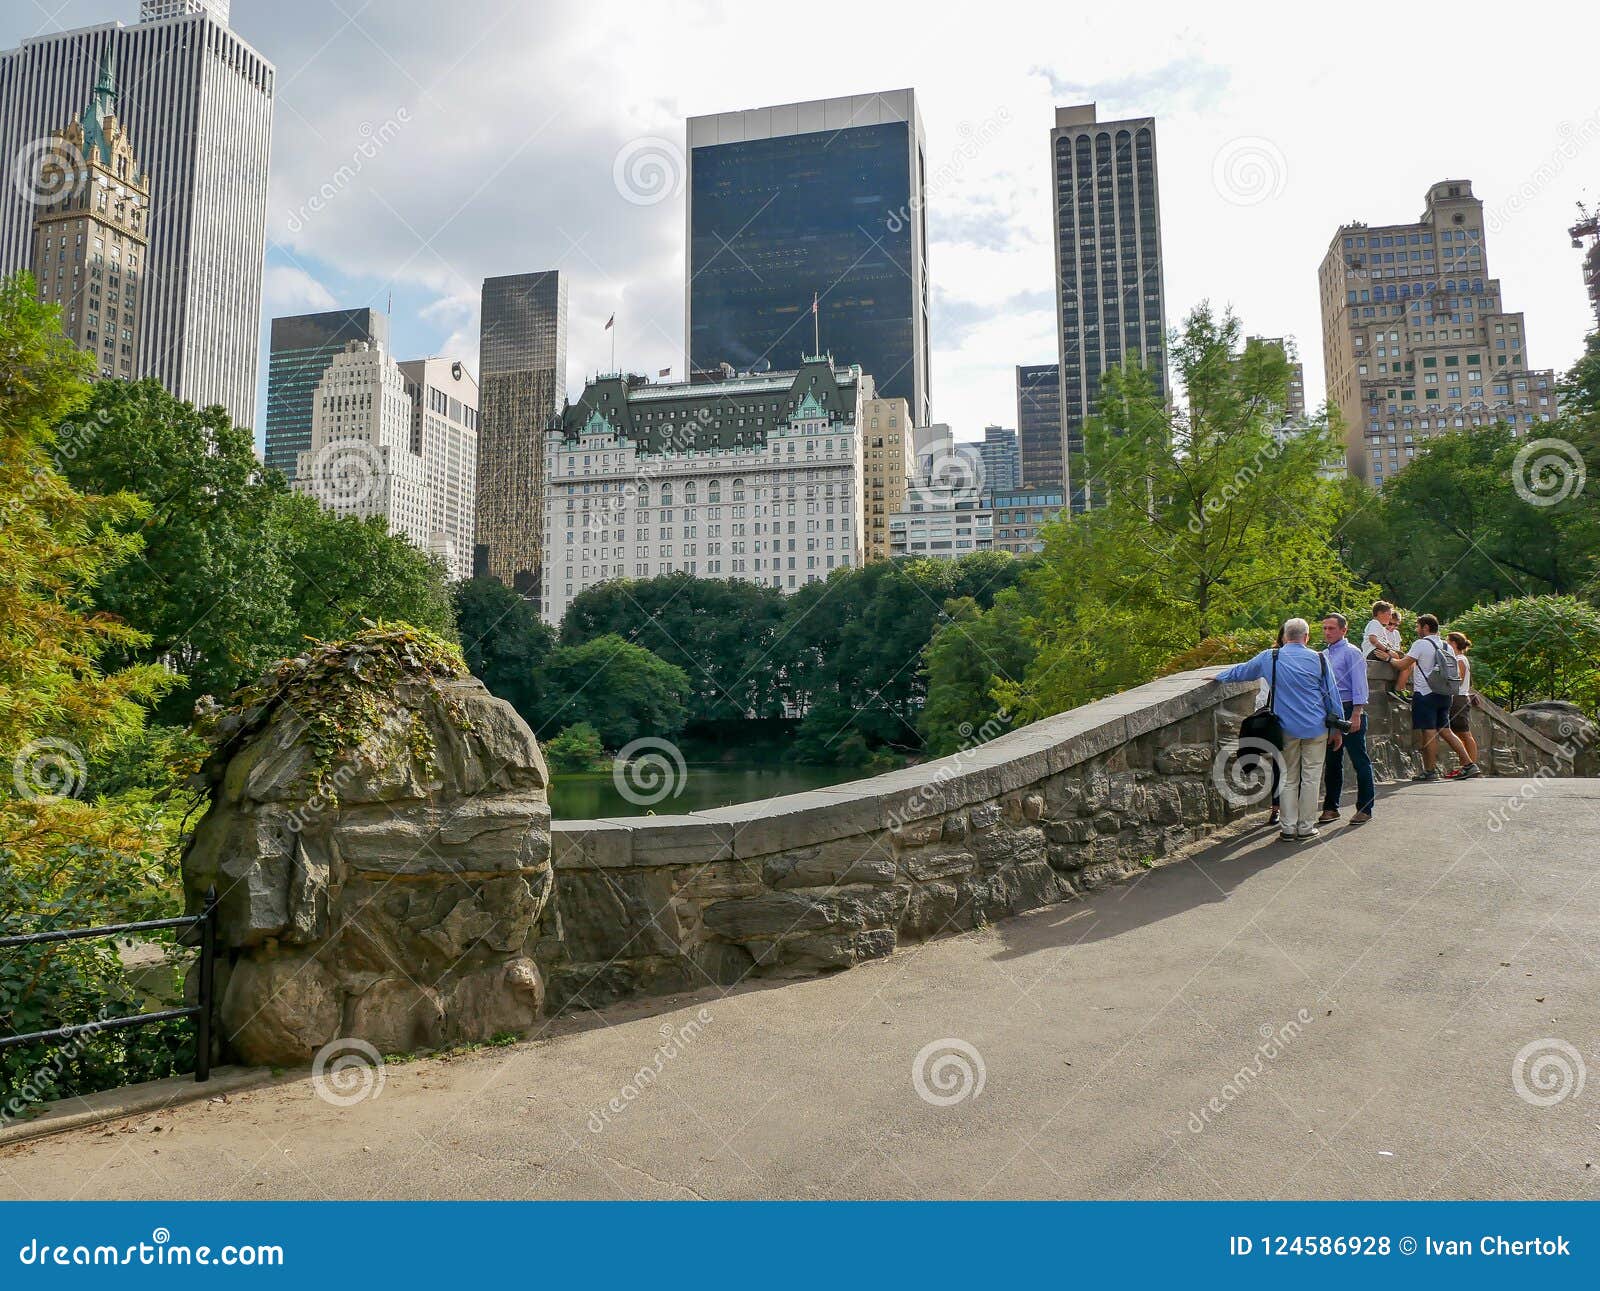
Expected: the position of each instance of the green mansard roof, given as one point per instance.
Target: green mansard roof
(699, 417)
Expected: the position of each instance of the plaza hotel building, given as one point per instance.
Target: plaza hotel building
(756, 477)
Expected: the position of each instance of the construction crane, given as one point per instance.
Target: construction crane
(1588, 227)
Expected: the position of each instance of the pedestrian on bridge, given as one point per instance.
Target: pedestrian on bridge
(1349, 668)
(1306, 702)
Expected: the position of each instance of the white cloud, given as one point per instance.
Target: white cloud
(290, 290)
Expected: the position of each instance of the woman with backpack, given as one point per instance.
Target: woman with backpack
(1435, 675)
(1462, 703)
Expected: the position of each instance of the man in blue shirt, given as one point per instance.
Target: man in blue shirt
(1349, 668)
(1304, 699)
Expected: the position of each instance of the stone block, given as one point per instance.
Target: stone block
(984, 816)
(930, 911)
(862, 859)
(938, 863)
(1069, 831)
(280, 1010)
(1185, 759)
(617, 914)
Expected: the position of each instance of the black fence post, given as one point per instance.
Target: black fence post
(207, 986)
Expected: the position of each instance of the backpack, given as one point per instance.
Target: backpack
(1443, 675)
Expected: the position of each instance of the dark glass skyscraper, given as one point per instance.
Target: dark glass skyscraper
(522, 382)
(1111, 304)
(1039, 425)
(819, 199)
(302, 348)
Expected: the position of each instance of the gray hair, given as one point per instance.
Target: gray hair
(1296, 630)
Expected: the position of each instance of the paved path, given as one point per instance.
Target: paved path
(1425, 949)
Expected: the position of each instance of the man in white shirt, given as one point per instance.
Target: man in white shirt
(1430, 712)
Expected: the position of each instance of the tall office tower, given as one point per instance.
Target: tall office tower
(1039, 434)
(818, 201)
(1415, 339)
(1002, 467)
(90, 241)
(444, 429)
(1111, 305)
(396, 440)
(302, 348)
(522, 376)
(756, 478)
(1294, 408)
(888, 464)
(199, 102)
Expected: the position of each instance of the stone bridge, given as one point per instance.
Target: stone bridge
(1403, 1009)
(433, 903)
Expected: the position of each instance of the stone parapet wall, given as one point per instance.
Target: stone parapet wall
(824, 880)
(1507, 745)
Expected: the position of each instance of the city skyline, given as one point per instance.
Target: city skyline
(197, 99)
(1252, 184)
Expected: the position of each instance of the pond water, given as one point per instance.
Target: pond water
(585, 795)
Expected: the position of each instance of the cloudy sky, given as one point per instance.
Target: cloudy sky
(485, 137)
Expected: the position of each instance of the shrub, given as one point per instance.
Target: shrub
(1535, 647)
(577, 748)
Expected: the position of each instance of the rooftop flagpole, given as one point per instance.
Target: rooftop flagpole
(816, 327)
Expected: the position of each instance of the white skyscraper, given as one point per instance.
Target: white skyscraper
(397, 440)
(199, 101)
(444, 425)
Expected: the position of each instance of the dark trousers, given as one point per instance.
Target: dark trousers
(1355, 744)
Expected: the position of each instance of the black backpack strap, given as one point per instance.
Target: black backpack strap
(1272, 686)
(1322, 657)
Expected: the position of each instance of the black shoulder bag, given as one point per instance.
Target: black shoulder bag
(1263, 724)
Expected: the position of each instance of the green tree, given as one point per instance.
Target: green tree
(721, 631)
(1453, 530)
(620, 689)
(577, 748)
(969, 656)
(1207, 522)
(209, 591)
(345, 572)
(851, 648)
(1535, 647)
(56, 546)
(503, 639)
(65, 861)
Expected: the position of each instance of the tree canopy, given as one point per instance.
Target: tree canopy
(1211, 521)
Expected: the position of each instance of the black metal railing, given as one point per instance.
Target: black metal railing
(200, 1011)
